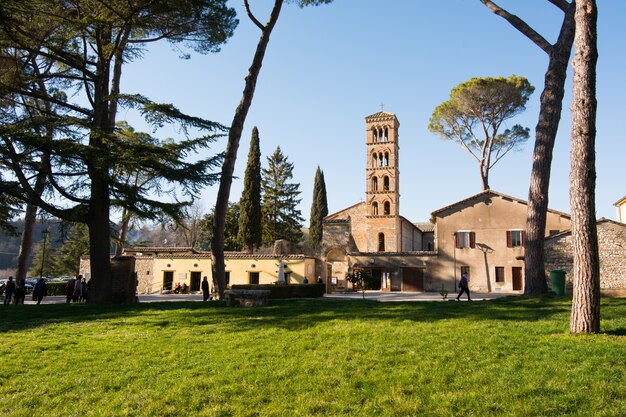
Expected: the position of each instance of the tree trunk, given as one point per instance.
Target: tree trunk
(30, 217)
(234, 135)
(119, 248)
(545, 136)
(585, 316)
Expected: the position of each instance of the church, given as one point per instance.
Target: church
(481, 236)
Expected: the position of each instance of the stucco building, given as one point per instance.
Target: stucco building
(482, 235)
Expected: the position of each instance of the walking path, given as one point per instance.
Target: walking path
(369, 295)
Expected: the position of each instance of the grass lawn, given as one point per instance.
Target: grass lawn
(511, 356)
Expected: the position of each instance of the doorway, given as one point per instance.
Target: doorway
(195, 281)
(168, 280)
(517, 278)
(412, 279)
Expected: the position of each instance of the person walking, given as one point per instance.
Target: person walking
(205, 289)
(464, 286)
(20, 293)
(9, 290)
(40, 290)
(69, 291)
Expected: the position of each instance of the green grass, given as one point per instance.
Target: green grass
(510, 356)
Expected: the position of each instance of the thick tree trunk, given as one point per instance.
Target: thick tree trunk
(30, 218)
(234, 135)
(585, 316)
(545, 136)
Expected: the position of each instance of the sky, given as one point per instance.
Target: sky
(328, 67)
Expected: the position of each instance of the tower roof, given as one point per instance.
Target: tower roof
(381, 116)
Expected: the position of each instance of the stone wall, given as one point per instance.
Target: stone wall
(612, 250)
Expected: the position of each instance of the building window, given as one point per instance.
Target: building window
(380, 160)
(465, 240)
(515, 238)
(227, 277)
(386, 159)
(386, 183)
(375, 184)
(253, 277)
(499, 274)
(374, 160)
(387, 208)
(381, 242)
(465, 270)
(374, 209)
(386, 135)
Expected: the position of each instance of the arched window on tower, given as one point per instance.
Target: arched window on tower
(374, 160)
(386, 159)
(380, 160)
(387, 208)
(373, 135)
(386, 183)
(374, 209)
(386, 135)
(381, 242)
(374, 184)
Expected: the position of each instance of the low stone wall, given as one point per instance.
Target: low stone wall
(612, 251)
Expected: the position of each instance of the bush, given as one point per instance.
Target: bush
(56, 288)
(286, 291)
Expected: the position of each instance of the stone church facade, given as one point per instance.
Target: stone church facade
(372, 235)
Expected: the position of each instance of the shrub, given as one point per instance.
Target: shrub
(56, 288)
(286, 291)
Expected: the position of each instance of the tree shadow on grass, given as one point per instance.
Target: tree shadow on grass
(289, 314)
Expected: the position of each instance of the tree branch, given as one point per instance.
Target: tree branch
(561, 4)
(251, 16)
(522, 26)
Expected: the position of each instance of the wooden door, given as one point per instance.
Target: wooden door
(195, 281)
(168, 280)
(517, 278)
(412, 279)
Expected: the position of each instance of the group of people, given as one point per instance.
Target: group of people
(77, 290)
(16, 292)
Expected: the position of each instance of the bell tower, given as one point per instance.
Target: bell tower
(382, 193)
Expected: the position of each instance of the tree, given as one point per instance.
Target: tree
(66, 260)
(319, 210)
(545, 136)
(585, 316)
(231, 240)
(281, 218)
(81, 48)
(43, 266)
(474, 114)
(234, 135)
(250, 226)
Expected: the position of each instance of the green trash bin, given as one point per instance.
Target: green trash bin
(557, 280)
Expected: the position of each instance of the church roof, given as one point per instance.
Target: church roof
(381, 115)
(425, 227)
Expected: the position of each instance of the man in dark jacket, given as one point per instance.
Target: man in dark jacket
(9, 290)
(464, 286)
(205, 289)
(40, 290)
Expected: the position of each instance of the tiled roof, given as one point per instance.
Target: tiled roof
(493, 193)
(381, 115)
(425, 227)
(620, 201)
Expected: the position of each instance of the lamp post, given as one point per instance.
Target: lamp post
(454, 245)
(43, 253)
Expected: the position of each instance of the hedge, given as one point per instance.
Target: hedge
(286, 291)
(56, 288)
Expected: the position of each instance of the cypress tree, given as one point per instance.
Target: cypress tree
(281, 218)
(319, 210)
(250, 230)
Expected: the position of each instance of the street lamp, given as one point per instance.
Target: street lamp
(454, 244)
(43, 254)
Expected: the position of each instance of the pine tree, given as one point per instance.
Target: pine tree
(319, 210)
(67, 258)
(250, 229)
(281, 218)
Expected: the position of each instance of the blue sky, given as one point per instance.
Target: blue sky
(328, 67)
